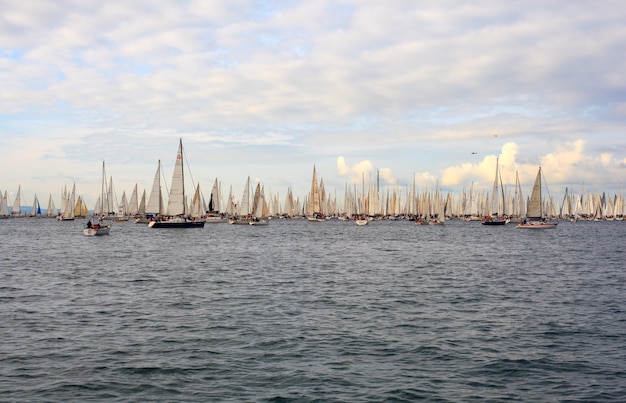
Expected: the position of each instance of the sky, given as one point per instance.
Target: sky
(414, 91)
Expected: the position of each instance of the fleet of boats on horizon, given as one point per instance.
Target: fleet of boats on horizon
(362, 206)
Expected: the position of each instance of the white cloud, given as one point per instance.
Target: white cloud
(363, 171)
(568, 165)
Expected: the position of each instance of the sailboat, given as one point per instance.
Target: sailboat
(141, 209)
(177, 215)
(36, 210)
(16, 209)
(4, 209)
(534, 213)
(241, 213)
(99, 226)
(259, 215)
(494, 217)
(437, 209)
(51, 211)
(80, 209)
(314, 206)
(133, 205)
(362, 220)
(215, 214)
(67, 210)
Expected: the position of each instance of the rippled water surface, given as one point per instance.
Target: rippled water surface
(303, 311)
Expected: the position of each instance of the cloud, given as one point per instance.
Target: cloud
(568, 165)
(363, 170)
(369, 57)
(387, 175)
(484, 171)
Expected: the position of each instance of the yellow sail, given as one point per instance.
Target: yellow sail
(81, 210)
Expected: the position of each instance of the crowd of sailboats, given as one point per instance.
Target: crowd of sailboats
(361, 203)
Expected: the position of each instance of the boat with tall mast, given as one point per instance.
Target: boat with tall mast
(177, 215)
(99, 226)
(241, 212)
(51, 210)
(534, 213)
(494, 216)
(4, 209)
(215, 213)
(260, 210)
(68, 203)
(314, 204)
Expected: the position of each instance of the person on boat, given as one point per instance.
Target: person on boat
(89, 224)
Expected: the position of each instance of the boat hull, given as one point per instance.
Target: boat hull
(215, 220)
(176, 224)
(239, 221)
(96, 231)
(494, 222)
(538, 225)
(259, 222)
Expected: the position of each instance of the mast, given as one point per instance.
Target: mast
(494, 210)
(102, 192)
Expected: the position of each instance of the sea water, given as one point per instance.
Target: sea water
(312, 311)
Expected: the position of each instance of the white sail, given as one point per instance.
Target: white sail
(535, 217)
(142, 204)
(197, 204)
(244, 205)
(109, 207)
(261, 208)
(155, 201)
(35, 210)
(51, 211)
(131, 207)
(214, 201)
(4, 209)
(68, 213)
(230, 205)
(495, 195)
(17, 202)
(176, 202)
(534, 206)
(255, 201)
(63, 200)
(314, 205)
